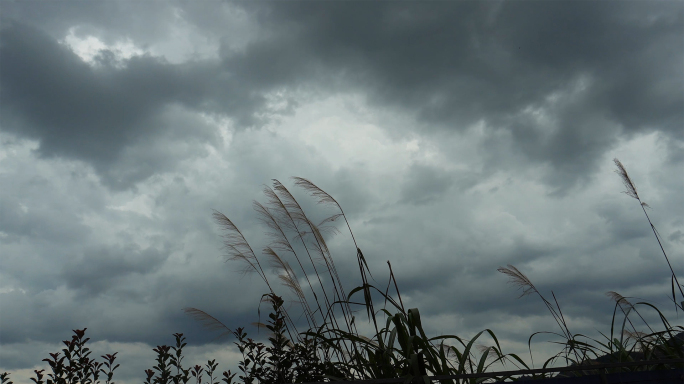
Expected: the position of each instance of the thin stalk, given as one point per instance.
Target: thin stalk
(324, 197)
(278, 205)
(282, 242)
(299, 215)
(631, 191)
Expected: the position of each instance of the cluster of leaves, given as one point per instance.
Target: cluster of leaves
(282, 361)
(80, 369)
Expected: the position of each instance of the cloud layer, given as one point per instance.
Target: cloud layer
(459, 137)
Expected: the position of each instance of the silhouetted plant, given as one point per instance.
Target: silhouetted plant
(182, 375)
(4, 377)
(631, 191)
(80, 367)
(651, 346)
(332, 348)
(401, 349)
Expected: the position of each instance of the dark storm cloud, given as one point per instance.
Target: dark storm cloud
(507, 96)
(612, 69)
(617, 69)
(148, 20)
(81, 112)
(96, 113)
(97, 270)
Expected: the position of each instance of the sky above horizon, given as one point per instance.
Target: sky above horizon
(459, 137)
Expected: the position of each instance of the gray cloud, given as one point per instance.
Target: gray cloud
(79, 112)
(425, 184)
(99, 115)
(98, 270)
(459, 137)
(455, 64)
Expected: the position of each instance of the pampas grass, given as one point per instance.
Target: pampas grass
(332, 347)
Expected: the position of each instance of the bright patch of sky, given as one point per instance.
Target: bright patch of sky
(88, 47)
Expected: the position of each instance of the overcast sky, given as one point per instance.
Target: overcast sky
(458, 137)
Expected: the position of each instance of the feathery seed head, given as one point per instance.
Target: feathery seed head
(519, 279)
(626, 180)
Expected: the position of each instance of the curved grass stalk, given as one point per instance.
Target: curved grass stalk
(325, 198)
(631, 191)
(519, 279)
(281, 242)
(400, 349)
(614, 346)
(297, 215)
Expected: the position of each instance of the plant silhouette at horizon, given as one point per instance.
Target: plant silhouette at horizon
(332, 348)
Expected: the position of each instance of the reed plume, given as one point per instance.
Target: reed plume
(518, 278)
(296, 214)
(210, 322)
(281, 242)
(285, 219)
(631, 191)
(319, 245)
(238, 247)
(325, 198)
(621, 300)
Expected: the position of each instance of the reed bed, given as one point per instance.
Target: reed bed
(332, 349)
